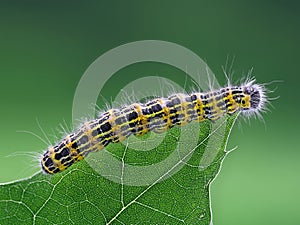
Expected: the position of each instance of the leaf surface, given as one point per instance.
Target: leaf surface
(140, 181)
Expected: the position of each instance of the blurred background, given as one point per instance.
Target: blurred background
(45, 47)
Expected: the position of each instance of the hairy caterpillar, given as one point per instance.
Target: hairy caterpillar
(157, 115)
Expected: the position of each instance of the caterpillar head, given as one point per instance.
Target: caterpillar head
(254, 98)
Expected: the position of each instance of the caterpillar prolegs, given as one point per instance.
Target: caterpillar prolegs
(157, 115)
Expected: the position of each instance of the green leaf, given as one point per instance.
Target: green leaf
(155, 179)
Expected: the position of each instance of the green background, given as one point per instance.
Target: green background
(45, 47)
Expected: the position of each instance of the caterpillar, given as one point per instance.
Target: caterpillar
(157, 115)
